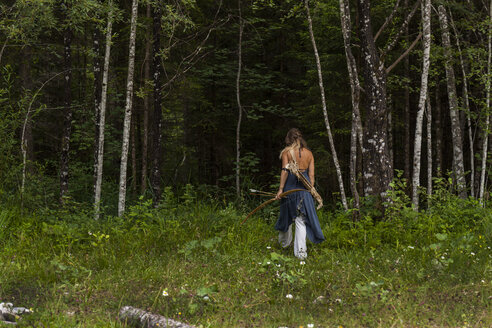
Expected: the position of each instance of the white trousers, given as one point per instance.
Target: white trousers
(285, 238)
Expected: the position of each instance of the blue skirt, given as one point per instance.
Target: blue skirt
(299, 203)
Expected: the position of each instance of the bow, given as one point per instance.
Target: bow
(270, 201)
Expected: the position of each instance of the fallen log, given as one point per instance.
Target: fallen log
(140, 318)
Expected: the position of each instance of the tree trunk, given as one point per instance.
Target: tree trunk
(67, 118)
(378, 171)
(96, 48)
(133, 145)
(128, 110)
(145, 134)
(426, 22)
(140, 318)
(102, 115)
(487, 116)
(239, 108)
(155, 178)
(325, 113)
(407, 170)
(458, 166)
(356, 130)
(467, 110)
(439, 132)
(429, 146)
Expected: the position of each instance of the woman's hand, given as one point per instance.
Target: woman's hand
(279, 192)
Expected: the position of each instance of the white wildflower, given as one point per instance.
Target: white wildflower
(411, 247)
(338, 300)
(206, 298)
(165, 293)
(268, 263)
(472, 254)
(269, 247)
(289, 296)
(302, 263)
(310, 325)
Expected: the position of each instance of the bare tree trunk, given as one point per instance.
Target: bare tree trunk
(356, 130)
(467, 109)
(145, 134)
(133, 145)
(102, 115)
(378, 171)
(128, 110)
(429, 146)
(487, 117)
(67, 119)
(459, 170)
(439, 132)
(239, 108)
(96, 48)
(407, 170)
(325, 113)
(155, 177)
(426, 22)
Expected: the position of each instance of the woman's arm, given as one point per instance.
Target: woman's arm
(283, 175)
(311, 170)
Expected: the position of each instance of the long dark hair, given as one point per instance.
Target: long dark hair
(294, 140)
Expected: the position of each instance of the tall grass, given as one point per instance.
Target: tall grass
(407, 269)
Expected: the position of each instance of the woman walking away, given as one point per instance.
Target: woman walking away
(298, 172)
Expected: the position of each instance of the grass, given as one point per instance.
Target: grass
(408, 270)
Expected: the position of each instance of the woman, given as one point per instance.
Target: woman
(297, 207)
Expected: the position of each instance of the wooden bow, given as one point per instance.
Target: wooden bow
(271, 201)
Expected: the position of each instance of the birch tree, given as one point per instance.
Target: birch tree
(466, 101)
(102, 114)
(426, 26)
(429, 146)
(458, 165)
(128, 110)
(238, 99)
(487, 114)
(356, 129)
(325, 112)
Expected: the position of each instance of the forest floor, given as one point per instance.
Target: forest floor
(192, 261)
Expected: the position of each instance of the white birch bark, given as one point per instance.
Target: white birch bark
(102, 115)
(325, 113)
(487, 117)
(459, 170)
(128, 110)
(429, 146)
(426, 12)
(467, 109)
(356, 131)
(239, 107)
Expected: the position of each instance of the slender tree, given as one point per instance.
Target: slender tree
(356, 130)
(426, 22)
(102, 114)
(146, 100)
(128, 110)
(238, 99)
(467, 109)
(155, 178)
(458, 165)
(429, 146)
(325, 112)
(487, 113)
(67, 104)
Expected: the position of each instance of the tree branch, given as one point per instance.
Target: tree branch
(403, 55)
(393, 42)
(388, 19)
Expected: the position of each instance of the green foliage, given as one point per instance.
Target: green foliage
(189, 259)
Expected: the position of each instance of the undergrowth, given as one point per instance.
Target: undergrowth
(191, 260)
